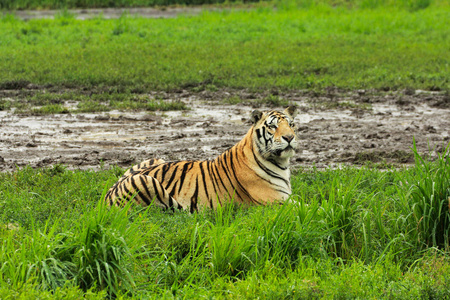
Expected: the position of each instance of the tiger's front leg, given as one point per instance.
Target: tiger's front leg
(143, 189)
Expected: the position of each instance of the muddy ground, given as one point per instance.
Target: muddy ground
(114, 13)
(333, 129)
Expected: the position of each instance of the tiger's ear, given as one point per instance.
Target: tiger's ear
(291, 111)
(256, 116)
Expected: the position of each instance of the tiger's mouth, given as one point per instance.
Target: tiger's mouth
(290, 150)
(287, 151)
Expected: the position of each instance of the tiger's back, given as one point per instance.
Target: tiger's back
(254, 171)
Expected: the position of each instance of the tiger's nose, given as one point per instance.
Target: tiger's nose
(288, 138)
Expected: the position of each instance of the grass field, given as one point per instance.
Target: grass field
(63, 4)
(349, 233)
(313, 48)
(352, 233)
(288, 49)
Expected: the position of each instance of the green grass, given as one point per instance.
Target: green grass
(319, 46)
(351, 232)
(355, 232)
(63, 4)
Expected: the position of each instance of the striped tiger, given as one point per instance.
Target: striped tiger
(254, 171)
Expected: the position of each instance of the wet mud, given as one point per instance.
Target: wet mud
(113, 13)
(333, 129)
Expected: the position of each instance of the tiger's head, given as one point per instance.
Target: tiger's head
(274, 133)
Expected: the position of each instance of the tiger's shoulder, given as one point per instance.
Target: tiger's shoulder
(153, 162)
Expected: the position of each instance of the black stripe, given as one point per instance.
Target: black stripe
(184, 172)
(266, 141)
(155, 175)
(284, 192)
(276, 165)
(164, 169)
(170, 201)
(138, 191)
(108, 193)
(244, 190)
(269, 172)
(116, 192)
(226, 171)
(158, 196)
(214, 182)
(149, 197)
(169, 182)
(262, 178)
(266, 180)
(216, 171)
(146, 171)
(194, 198)
(208, 196)
(165, 194)
(125, 188)
(258, 133)
(202, 171)
(108, 197)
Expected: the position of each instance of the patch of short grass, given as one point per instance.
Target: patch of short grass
(5, 104)
(315, 47)
(166, 105)
(50, 109)
(233, 100)
(45, 97)
(91, 106)
(274, 101)
(150, 104)
(381, 156)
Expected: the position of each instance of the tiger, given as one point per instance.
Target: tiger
(255, 171)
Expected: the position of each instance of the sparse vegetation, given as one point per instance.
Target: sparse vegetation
(275, 101)
(165, 105)
(380, 156)
(5, 104)
(52, 103)
(49, 109)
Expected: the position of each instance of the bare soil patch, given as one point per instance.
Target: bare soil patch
(336, 128)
